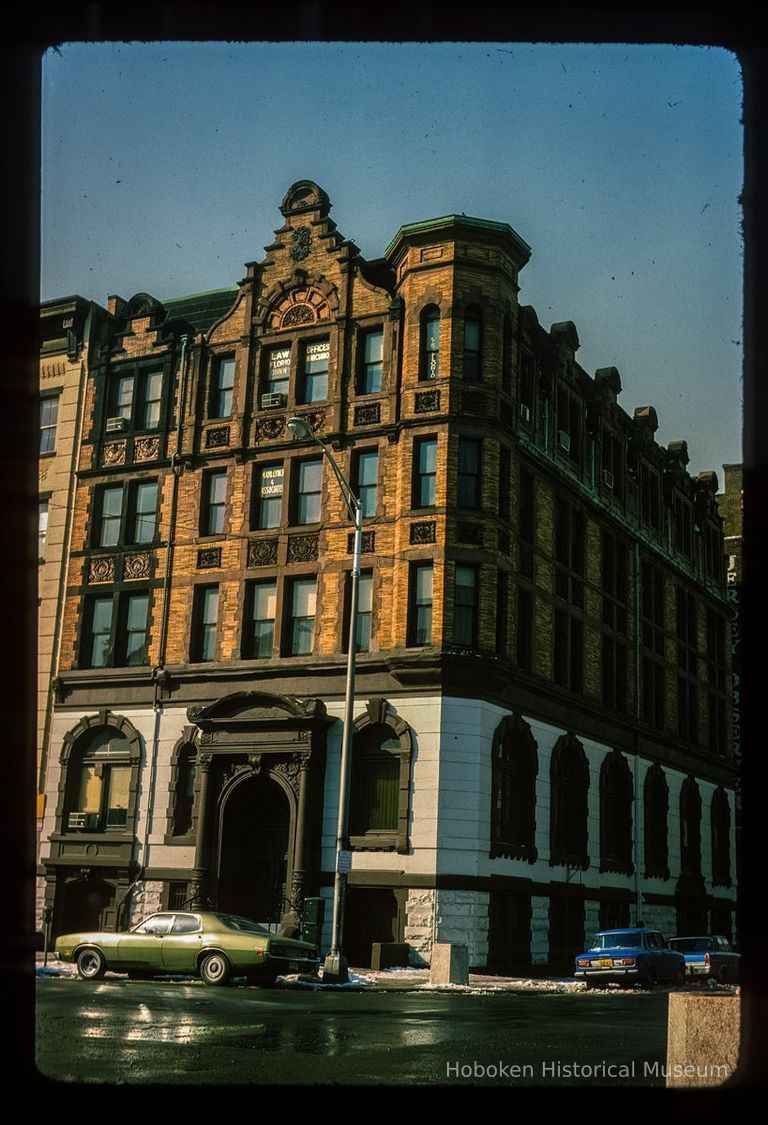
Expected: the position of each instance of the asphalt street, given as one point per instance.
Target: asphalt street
(181, 1032)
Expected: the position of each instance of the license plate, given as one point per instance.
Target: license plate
(605, 963)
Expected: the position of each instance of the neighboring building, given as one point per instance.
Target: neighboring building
(541, 733)
(731, 506)
(69, 333)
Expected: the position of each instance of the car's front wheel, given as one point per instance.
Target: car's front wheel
(215, 968)
(91, 964)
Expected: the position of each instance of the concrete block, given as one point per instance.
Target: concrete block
(703, 1037)
(450, 964)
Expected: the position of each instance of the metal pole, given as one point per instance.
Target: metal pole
(335, 965)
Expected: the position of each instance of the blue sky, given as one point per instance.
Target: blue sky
(164, 165)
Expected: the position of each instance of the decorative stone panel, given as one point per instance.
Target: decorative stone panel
(102, 569)
(368, 414)
(114, 453)
(302, 548)
(136, 566)
(262, 552)
(269, 428)
(216, 437)
(470, 533)
(424, 532)
(367, 543)
(300, 244)
(208, 558)
(426, 402)
(315, 419)
(146, 448)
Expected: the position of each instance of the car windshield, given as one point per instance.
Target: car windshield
(616, 941)
(691, 944)
(234, 922)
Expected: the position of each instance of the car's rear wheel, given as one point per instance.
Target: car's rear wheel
(91, 964)
(215, 968)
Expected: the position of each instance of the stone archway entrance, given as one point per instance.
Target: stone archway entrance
(86, 904)
(254, 851)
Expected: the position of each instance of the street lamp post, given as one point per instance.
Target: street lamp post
(335, 964)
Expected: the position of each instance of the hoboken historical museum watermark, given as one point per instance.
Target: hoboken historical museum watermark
(599, 1071)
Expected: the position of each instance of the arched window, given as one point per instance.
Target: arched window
(690, 828)
(184, 791)
(721, 839)
(473, 345)
(430, 343)
(98, 786)
(381, 756)
(616, 795)
(569, 787)
(655, 816)
(513, 804)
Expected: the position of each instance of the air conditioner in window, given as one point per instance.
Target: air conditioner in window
(607, 478)
(564, 440)
(76, 820)
(270, 401)
(525, 412)
(115, 425)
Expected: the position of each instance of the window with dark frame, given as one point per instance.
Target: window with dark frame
(375, 781)
(98, 784)
(314, 375)
(307, 494)
(223, 386)
(429, 367)
(469, 471)
(151, 400)
(302, 607)
(364, 611)
(615, 647)
(372, 362)
(524, 649)
(205, 616)
(654, 668)
(716, 681)
(424, 472)
(570, 412)
(120, 397)
(683, 525)
(502, 613)
(505, 475)
(49, 416)
(465, 606)
(142, 511)
(507, 340)
(366, 479)
(656, 815)
(569, 789)
(513, 787)
(650, 497)
(214, 498)
(110, 518)
(687, 666)
(125, 516)
(570, 532)
(526, 523)
(267, 496)
(184, 794)
(612, 458)
(278, 371)
(420, 605)
(527, 387)
(259, 621)
(473, 343)
(115, 631)
(616, 804)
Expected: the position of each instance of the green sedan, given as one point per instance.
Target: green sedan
(215, 946)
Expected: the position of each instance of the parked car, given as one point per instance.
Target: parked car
(215, 946)
(628, 957)
(709, 957)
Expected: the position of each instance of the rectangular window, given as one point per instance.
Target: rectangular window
(525, 629)
(308, 478)
(716, 679)
(527, 387)
(110, 516)
(49, 416)
(688, 663)
(420, 616)
(315, 374)
(213, 502)
(505, 472)
(205, 616)
(470, 458)
(364, 610)
(465, 607)
(151, 396)
(569, 651)
(223, 384)
(260, 636)
(133, 632)
(569, 553)
(97, 652)
(614, 673)
(143, 514)
(612, 456)
(373, 362)
(278, 371)
(650, 497)
(653, 698)
(301, 622)
(268, 496)
(502, 612)
(569, 425)
(42, 526)
(121, 398)
(366, 477)
(683, 521)
(425, 472)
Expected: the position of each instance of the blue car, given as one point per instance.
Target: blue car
(631, 956)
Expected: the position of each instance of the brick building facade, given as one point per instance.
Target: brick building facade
(542, 719)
